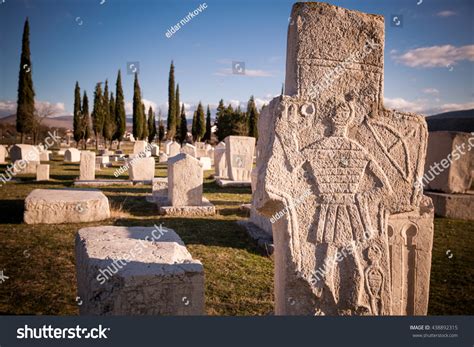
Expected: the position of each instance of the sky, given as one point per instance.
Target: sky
(429, 50)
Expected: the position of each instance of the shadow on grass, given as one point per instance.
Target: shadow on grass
(203, 231)
(12, 211)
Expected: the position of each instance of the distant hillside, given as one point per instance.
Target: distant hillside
(452, 121)
(54, 122)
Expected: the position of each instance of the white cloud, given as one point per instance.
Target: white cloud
(446, 13)
(148, 103)
(436, 56)
(424, 106)
(431, 91)
(8, 107)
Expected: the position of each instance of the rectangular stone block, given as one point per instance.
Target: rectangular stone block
(189, 149)
(449, 162)
(3, 154)
(185, 178)
(137, 271)
(220, 163)
(173, 149)
(24, 152)
(42, 172)
(87, 167)
(159, 188)
(72, 155)
(46, 155)
(456, 206)
(25, 167)
(141, 169)
(56, 206)
(239, 157)
(139, 147)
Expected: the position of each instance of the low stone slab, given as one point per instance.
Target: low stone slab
(72, 155)
(102, 183)
(55, 206)
(45, 155)
(205, 209)
(457, 206)
(25, 167)
(137, 271)
(159, 188)
(141, 169)
(226, 183)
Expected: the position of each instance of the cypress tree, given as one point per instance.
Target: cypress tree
(193, 126)
(252, 115)
(109, 125)
(207, 135)
(137, 111)
(120, 121)
(86, 120)
(183, 131)
(146, 130)
(151, 125)
(106, 110)
(177, 109)
(171, 121)
(220, 114)
(200, 122)
(98, 114)
(161, 128)
(77, 117)
(25, 112)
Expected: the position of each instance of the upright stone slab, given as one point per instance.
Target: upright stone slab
(200, 149)
(56, 206)
(166, 146)
(72, 155)
(139, 147)
(45, 155)
(141, 169)
(239, 157)
(449, 162)
(189, 149)
(137, 271)
(87, 167)
(163, 158)
(155, 150)
(173, 149)
(220, 163)
(42, 172)
(3, 154)
(206, 163)
(24, 152)
(185, 179)
(335, 181)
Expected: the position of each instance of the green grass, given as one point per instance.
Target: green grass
(39, 259)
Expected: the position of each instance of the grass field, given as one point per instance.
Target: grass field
(39, 259)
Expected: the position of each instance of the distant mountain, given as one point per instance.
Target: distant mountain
(452, 121)
(53, 122)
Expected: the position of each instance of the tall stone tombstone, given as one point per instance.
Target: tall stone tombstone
(185, 178)
(335, 182)
(220, 164)
(173, 149)
(189, 149)
(87, 166)
(139, 147)
(239, 157)
(3, 153)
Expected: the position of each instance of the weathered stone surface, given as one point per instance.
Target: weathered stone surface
(103, 183)
(185, 178)
(102, 162)
(25, 167)
(45, 155)
(24, 152)
(42, 172)
(335, 181)
(3, 154)
(220, 163)
(72, 155)
(226, 183)
(55, 206)
(139, 147)
(141, 169)
(449, 161)
(163, 158)
(410, 239)
(173, 149)
(205, 209)
(137, 271)
(205, 163)
(457, 206)
(87, 167)
(159, 188)
(239, 157)
(189, 149)
(155, 150)
(200, 149)
(166, 147)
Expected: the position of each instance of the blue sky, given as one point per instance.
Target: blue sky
(428, 58)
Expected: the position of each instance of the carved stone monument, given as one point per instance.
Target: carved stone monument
(239, 161)
(87, 166)
(332, 185)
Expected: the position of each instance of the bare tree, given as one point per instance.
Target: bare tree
(42, 111)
